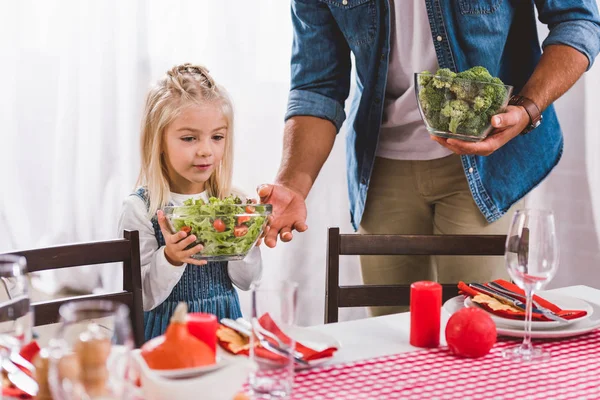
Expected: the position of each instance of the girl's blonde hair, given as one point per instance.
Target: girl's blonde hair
(182, 86)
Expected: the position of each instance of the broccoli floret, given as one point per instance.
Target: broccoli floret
(474, 124)
(431, 98)
(482, 102)
(425, 78)
(458, 111)
(443, 78)
(481, 74)
(436, 120)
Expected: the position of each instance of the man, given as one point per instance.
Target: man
(400, 181)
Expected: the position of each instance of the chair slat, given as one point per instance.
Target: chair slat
(58, 257)
(46, 312)
(446, 245)
(383, 295)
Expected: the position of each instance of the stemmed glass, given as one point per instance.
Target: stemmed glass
(89, 357)
(532, 260)
(16, 317)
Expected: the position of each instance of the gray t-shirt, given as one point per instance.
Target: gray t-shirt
(403, 134)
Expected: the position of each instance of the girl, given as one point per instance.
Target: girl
(186, 152)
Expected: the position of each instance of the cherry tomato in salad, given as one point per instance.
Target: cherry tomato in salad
(242, 219)
(219, 225)
(240, 230)
(250, 210)
(186, 229)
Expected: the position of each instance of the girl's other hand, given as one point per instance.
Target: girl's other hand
(176, 244)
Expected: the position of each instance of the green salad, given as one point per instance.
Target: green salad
(461, 102)
(225, 227)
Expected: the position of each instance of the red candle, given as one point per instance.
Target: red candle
(425, 310)
(204, 327)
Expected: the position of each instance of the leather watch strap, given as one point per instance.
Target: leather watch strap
(535, 115)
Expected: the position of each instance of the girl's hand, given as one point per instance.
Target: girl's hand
(175, 249)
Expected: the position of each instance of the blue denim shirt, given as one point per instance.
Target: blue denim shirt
(500, 35)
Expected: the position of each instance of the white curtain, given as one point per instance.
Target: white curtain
(74, 78)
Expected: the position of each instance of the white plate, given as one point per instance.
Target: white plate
(223, 359)
(564, 302)
(219, 384)
(585, 326)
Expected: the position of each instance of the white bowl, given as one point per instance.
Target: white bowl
(220, 383)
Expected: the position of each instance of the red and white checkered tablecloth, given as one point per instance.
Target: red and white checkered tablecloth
(573, 372)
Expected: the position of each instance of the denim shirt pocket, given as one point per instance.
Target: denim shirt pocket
(357, 20)
(478, 6)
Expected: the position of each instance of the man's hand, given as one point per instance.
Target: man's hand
(289, 212)
(507, 126)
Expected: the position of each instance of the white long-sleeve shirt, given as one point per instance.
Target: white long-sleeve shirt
(159, 276)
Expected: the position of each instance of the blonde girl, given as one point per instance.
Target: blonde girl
(186, 152)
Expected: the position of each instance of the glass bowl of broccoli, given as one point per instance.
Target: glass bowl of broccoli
(227, 228)
(460, 105)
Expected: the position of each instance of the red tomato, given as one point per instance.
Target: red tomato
(470, 332)
(219, 225)
(186, 229)
(240, 230)
(243, 219)
(250, 210)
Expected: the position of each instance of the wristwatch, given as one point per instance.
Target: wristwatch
(535, 116)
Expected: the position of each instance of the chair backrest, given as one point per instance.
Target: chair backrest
(126, 250)
(337, 296)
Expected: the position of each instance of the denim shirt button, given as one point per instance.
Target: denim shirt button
(363, 181)
(471, 170)
(439, 38)
(345, 2)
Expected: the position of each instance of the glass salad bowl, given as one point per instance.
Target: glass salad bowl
(228, 228)
(460, 108)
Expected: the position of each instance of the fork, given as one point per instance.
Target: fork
(266, 333)
(546, 312)
(259, 329)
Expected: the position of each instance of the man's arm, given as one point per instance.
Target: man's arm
(320, 84)
(559, 68)
(569, 50)
(307, 143)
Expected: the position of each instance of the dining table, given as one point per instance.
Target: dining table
(376, 361)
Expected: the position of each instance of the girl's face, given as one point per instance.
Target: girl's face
(194, 147)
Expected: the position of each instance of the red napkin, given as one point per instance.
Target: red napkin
(28, 352)
(267, 322)
(567, 314)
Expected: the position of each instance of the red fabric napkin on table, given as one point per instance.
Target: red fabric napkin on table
(267, 322)
(28, 352)
(466, 290)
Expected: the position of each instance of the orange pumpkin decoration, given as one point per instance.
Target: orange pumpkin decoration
(177, 348)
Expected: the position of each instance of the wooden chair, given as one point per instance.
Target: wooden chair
(337, 296)
(126, 250)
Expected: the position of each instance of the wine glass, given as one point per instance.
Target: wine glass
(89, 357)
(16, 317)
(532, 260)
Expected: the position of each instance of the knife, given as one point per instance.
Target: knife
(543, 310)
(501, 297)
(508, 299)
